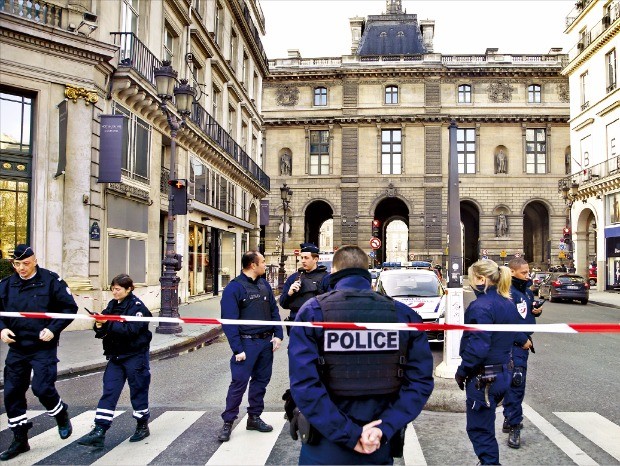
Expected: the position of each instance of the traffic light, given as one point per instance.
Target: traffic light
(566, 238)
(375, 227)
(179, 196)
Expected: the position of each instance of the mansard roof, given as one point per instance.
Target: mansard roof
(391, 34)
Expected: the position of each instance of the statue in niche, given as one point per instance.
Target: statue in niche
(286, 164)
(501, 227)
(502, 162)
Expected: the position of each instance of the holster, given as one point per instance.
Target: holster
(309, 435)
(397, 443)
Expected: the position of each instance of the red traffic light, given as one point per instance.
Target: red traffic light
(376, 223)
(566, 231)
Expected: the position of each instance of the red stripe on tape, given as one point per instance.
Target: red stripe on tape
(595, 328)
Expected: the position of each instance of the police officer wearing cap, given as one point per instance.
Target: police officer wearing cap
(249, 297)
(523, 298)
(309, 281)
(126, 347)
(485, 370)
(32, 344)
(357, 389)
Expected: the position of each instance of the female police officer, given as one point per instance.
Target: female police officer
(485, 368)
(126, 346)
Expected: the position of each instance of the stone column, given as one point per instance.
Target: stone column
(76, 197)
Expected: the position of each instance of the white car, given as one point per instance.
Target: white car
(421, 290)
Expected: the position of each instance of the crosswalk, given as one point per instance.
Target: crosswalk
(189, 437)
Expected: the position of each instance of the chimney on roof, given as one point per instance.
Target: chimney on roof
(393, 7)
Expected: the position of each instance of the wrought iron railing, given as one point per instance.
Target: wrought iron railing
(134, 54)
(209, 126)
(34, 10)
(611, 15)
(592, 174)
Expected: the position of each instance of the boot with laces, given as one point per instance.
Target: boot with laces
(142, 432)
(224, 434)
(256, 423)
(514, 437)
(18, 446)
(94, 438)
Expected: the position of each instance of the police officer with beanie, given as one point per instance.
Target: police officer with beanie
(32, 344)
(523, 298)
(249, 297)
(356, 390)
(485, 370)
(126, 347)
(309, 281)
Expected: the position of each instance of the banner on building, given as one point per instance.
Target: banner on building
(62, 138)
(264, 212)
(113, 133)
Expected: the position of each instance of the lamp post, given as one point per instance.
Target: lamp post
(426, 226)
(166, 82)
(286, 194)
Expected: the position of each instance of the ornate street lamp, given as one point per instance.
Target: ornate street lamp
(286, 194)
(166, 80)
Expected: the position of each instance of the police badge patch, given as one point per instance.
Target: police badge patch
(139, 314)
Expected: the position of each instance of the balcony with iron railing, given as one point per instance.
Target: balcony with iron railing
(590, 176)
(37, 11)
(580, 5)
(587, 37)
(135, 55)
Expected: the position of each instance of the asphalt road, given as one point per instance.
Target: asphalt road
(568, 373)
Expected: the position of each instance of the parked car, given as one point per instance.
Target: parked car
(419, 289)
(537, 279)
(559, 286)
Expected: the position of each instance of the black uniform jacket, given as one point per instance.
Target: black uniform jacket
(45, 292)
(125, 338)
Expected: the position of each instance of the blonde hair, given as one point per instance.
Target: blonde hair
(493, 274)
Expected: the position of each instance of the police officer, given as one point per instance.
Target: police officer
(357, 389)
(484, 372)
(523, 298)
(310, 280)
(126, 347)
(249, 297)
(32, 344)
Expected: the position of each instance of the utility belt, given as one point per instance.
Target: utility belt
(486, 375)
(256, 336)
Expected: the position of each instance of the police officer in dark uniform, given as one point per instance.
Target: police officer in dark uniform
(249, 297)
(485, 370)
(32, 344)
(309, 281)
(523, 298)
(357, 389)
(126, 347)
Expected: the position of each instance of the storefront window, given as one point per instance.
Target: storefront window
(228, 263)
(200, 263)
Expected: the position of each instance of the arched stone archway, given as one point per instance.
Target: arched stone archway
(537, 246)
(389, 210)
(470, 218)
(584, 239)
(317, 212)
(254, 239)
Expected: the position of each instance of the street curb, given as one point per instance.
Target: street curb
(600, 303)
(446, 397)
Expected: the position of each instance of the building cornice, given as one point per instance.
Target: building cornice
(594, 47)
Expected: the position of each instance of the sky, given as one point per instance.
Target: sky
(320, 28)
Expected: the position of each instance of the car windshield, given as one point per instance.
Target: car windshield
(568, 279)
(409, 284)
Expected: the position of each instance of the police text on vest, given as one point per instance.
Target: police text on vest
(361, 340)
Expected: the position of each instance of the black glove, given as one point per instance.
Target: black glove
(293, 426)
(460, 380)
(289, 404)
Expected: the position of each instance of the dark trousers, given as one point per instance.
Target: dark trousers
(136, 371)
(17, 369)
(327, 452)
(513, 402)
(481, 418)
(256, 369)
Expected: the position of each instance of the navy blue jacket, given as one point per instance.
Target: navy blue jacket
(340, 420)
(125, 338)
(233, 295)
(522, 295)
(480, 348)
(45, 292)
(318, 276)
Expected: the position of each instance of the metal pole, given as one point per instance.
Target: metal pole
(169, 279)
(281, 270)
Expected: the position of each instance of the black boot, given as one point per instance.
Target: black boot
(18, 445)
(506, 426)
(65, 429)
(142, 432)
(514, 437)
(224, 435)
(94, 438)
(256, 423)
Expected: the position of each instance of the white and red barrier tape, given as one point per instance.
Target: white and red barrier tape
(538, 328)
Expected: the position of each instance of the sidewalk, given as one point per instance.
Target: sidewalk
(605, 298)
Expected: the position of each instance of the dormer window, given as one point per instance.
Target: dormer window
(320, 96)
(391, 94)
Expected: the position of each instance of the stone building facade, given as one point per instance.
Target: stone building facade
(64, 65)
(364, 137)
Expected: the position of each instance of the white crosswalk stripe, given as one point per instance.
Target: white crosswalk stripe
(598, 429)
(4, 419)
(412, 452)
(47, 443)
(164, 430)
(247, 447)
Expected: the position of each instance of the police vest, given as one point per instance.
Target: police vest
(256, 305)
(360, 362)
(310, 287)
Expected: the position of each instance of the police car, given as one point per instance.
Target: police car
(419, 289)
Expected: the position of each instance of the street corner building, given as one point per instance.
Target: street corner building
(86, 147)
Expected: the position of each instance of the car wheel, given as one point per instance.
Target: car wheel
(592, 282)
(584, 301)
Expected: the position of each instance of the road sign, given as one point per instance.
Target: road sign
(375, 242)
(561, 255)
(411, 257)
(517, 254)
(502, 254)
(562, 246)
(296, 252)
(485, 252)
(372, 254)
(485, 257)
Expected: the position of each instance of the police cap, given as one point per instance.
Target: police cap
(309, 247)
(22, 251)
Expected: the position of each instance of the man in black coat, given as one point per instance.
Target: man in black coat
(32, 344)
